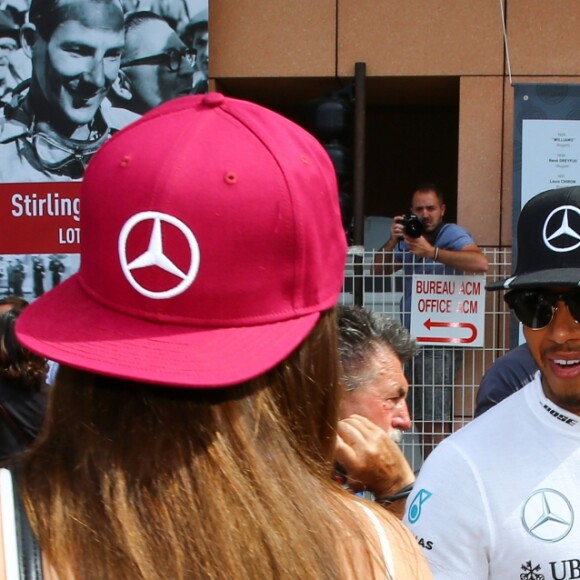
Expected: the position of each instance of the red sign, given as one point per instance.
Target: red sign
(429, 324)
(40, 218)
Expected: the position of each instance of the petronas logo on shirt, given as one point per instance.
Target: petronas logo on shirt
(415, 508)
(531, 572)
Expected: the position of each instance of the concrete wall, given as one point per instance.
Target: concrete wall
(275, 49)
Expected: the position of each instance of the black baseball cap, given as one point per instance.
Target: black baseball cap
(548, 250)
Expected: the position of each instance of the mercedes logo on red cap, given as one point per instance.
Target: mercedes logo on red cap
(154, 255)
(563, 238)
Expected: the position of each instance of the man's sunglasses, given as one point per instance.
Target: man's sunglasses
(536, 308)
(172, 59)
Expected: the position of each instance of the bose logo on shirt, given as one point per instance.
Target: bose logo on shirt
(560, 416)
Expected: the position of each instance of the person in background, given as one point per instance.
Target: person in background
(196, 36)
(175, 12)
(373, 351)
(192, 425)
(16, 10)
(9, 45)
(17, 303)
(156, 65)
(23, 392)
(435, 247)
(18, 274)
(38, 273)
(12, 302)
(508, 374)
(499, 498)
(57, 269)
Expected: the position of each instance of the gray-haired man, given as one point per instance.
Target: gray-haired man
(373, 351)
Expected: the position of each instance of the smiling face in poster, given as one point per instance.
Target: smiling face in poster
(74, 67)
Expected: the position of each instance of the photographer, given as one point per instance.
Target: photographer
(423, 244)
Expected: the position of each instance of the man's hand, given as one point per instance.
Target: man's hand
(420, 247)
(372, 461)
(397, 228)
(383, 260)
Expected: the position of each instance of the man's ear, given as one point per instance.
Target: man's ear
(122, 86)
(442, 209)
(28, 37)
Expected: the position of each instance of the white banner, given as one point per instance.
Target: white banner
(448, 310)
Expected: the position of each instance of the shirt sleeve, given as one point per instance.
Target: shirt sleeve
(448, 516)
(453, 237)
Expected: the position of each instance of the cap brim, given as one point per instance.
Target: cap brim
(66, 325)
(554, 277)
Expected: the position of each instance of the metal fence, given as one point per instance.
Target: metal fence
(383, 293)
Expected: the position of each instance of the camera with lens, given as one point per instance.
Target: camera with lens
(413, 225)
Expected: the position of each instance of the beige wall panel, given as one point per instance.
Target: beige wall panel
(543, 37)
(480, 144)
(422, 37)
(273, 38)
(508, 155)
(508, 163)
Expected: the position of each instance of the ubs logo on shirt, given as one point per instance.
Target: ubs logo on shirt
(562, 570)
(531, 572)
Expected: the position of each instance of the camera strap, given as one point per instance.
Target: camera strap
(432, 239)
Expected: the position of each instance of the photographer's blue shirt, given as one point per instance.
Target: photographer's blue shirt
(449, 237)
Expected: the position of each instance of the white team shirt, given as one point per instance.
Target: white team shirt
(500, 499)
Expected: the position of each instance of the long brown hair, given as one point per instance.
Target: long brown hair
(133, 481)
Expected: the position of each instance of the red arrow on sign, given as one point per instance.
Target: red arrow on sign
(429, 324)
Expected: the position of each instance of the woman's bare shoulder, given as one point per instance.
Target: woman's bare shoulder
(409, 562)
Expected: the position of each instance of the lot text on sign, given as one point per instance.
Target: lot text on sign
(448, 310)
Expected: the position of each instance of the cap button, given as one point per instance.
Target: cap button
(213, 99)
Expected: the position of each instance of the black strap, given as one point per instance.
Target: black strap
(438, 231)
(29, 554)
(401, 494)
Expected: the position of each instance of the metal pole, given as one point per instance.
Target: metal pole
(359, 177)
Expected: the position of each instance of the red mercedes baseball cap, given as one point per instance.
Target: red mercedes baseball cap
(211, 242)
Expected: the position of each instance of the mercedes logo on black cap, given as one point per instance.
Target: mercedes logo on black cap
(561, 231)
